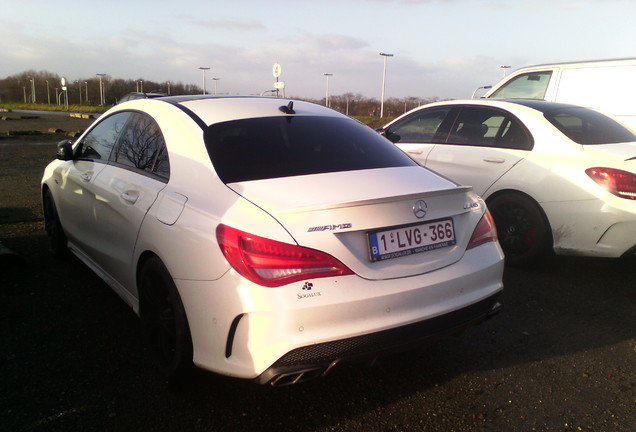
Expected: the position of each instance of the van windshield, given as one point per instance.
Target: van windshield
(531, 85)
(586, 126)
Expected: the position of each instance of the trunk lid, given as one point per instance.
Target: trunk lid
(335, 212)
(621, 151)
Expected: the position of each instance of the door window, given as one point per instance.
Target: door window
(421, 127)
(143, 147)
(488, 127)
(99, 142)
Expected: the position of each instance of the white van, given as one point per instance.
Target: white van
(606, 85)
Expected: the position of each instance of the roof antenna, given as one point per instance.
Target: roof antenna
(288, 109)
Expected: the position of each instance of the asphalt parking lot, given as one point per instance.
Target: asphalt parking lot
(561, 356)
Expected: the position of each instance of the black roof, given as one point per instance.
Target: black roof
(540, 105)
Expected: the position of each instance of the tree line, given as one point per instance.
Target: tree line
(42, 87)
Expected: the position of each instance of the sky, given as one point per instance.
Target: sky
(441, 48)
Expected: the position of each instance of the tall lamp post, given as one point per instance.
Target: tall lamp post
(503, 68)
(385, 55)
(101, 88)
(204, 69)
(327, 91)
(33, 90)
(215, 80)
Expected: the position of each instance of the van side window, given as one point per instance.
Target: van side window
(532, 85)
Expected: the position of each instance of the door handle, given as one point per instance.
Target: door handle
(86, 176)
(494, 159)
(130, 197)
(415, 152)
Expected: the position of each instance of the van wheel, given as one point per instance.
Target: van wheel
(164, 322)
(53, 227)
(523, 231)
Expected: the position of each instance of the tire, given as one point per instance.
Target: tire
(164, 321)
(523, 231)
(53, 227)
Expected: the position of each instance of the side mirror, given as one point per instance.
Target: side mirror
(64, 150)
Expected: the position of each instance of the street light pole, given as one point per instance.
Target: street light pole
(48, 95)
(385, 55)
(503, 68)
(327, 91)
(33, 90)
(215, 80)
(101, 88)
(204, 69)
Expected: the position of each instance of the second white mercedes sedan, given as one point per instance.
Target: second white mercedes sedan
(269, 239)
(556, 177)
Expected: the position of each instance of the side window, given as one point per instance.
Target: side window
(473, 126)
(488, 127)
(420, 127)
(143, 147)
(532, 85)
(99, 142)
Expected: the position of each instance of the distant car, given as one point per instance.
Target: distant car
(141, 95)
(269, 239)
(555, 176)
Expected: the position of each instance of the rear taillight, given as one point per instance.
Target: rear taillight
(272, 263)
(484, 232)
(618, 182)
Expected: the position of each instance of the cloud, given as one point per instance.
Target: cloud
(240, 25)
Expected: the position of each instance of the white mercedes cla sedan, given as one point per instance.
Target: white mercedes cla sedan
(269, 239)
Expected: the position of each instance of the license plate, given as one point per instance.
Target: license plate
(411, 239)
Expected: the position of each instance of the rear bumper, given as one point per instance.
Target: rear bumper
(317, 360)
(593, 227)
(251, 332)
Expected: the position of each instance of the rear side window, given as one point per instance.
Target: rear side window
(489, 127)
(142, 146)
(532, 85)
(272, 147)
(585, 126)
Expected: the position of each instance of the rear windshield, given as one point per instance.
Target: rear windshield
(585, 126)
(271, 147)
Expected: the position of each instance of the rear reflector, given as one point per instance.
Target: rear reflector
(272, 263)
(485, 231)
(618, 182)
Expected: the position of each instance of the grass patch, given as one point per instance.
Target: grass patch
(374, 122)
(52, 107)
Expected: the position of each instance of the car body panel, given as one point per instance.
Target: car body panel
(480, 167)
